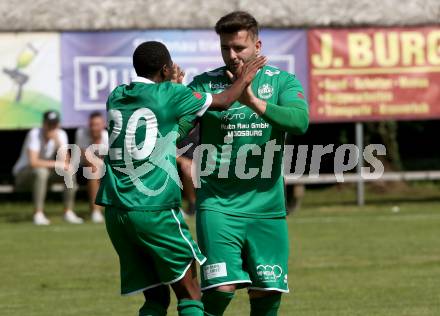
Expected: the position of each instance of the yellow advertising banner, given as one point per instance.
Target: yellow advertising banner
(374, 74)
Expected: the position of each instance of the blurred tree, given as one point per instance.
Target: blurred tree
(385, 133)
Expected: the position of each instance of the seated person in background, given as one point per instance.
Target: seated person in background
(35, 168)
(96, 134)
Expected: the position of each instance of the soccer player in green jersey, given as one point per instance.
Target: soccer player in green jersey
(140, 189)
(241, 223)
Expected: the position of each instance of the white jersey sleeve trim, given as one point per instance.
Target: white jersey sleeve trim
(205, 106)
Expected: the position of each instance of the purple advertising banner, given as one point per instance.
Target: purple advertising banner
(94, 63)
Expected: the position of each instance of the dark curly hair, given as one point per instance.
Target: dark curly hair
(150, 57)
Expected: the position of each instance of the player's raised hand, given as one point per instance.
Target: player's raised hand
(178, 74)
(247, 71)
(233, 77)
(241, 82)
(247, 97)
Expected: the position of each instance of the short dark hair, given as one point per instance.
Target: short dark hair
(95, 114)
(237, 21)
(150, 57)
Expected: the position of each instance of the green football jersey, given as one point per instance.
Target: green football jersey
(247, 179)
(141, 163)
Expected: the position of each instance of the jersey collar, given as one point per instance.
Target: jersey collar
(143, 80)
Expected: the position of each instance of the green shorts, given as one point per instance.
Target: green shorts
(154, 248)
(249, 252)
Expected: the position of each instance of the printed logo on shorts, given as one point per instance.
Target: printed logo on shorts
(215, 270)
(269, 273)
(265, 91)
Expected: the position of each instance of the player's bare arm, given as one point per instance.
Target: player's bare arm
(36, 162)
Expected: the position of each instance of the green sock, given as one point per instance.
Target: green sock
(151, 308)
(266, 305)
(216, 302)
(187, 307)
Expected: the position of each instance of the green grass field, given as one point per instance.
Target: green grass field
(344, 260)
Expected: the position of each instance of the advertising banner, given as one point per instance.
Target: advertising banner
(30, 78)
(374, 74)
(94, 63)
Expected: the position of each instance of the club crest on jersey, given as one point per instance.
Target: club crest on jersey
(265, 91)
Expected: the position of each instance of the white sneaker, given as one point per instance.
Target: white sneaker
(97, 217)
(72, 218)
(40, 219)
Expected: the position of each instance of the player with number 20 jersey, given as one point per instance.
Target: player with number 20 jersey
(140, 189)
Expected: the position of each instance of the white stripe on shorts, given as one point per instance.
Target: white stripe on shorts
(181, 233)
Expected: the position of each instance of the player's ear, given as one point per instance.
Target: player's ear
(258, 46)
(163, 73)
(166, 72)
